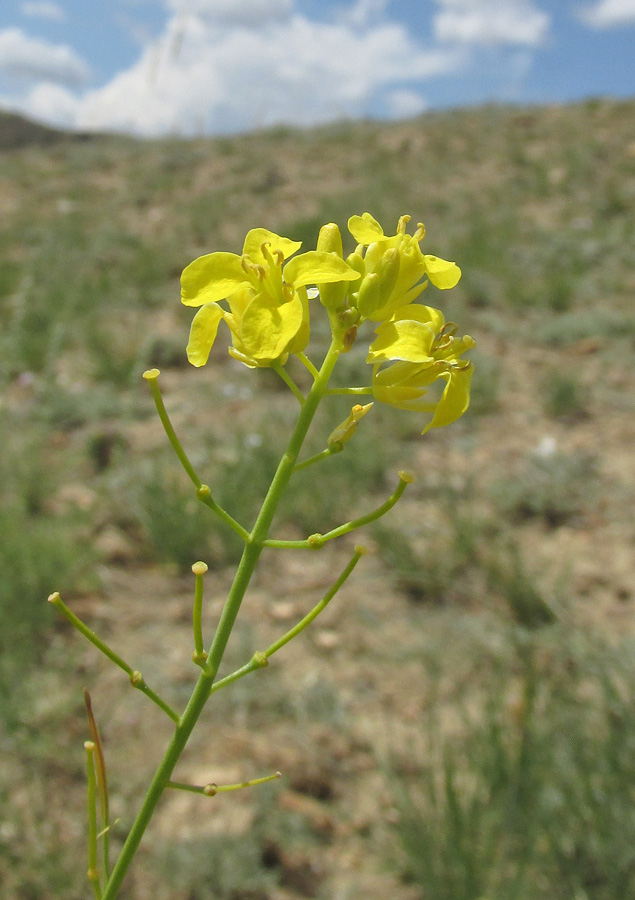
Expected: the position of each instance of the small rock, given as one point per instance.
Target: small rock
(115, 546)
(282, 611)
(327, 639)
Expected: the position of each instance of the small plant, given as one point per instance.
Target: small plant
(266, 298)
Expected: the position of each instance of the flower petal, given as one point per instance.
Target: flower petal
(317, 267)
(409, 335)
(454, 400)
(203, 333)
(442, 274)
(210, 278)
(365, 229)
(259, 236)
(268, 327)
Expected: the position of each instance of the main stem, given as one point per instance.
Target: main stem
(201, 692)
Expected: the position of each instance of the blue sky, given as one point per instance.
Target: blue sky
(188, 67)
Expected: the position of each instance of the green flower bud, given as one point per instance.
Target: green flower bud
(377, 286)
(330, 241)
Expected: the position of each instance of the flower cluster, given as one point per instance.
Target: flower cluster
(262, 297)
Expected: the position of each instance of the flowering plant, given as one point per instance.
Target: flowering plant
(266, 297)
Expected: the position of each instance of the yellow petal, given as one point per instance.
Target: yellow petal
(210, 278)
(317, 267)
(365, 229)
(203, 333)
(442, 274)
(408, 336)
(454, 400)
(259, 236)
(268, 327)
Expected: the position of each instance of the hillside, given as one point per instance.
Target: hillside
(499, 601)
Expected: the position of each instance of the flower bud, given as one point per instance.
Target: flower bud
(346, 429)
(377, 286)
(330, 241)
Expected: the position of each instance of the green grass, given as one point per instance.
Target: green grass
(532, 798)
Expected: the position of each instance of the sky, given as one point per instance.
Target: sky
(212, 67)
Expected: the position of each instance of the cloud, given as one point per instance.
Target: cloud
(609, 13)
(403, 104)
(43, 9)
(51, 103)
(362, 13)
(245, 13)
(490, 22)
(205, 76)
(30, 58)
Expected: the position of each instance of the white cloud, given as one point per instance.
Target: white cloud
(490, 22)
(51, 103)
(363, 13)
(609, 13)
(31, 58)
(43, 9)
(203, 76)
(403, 104)
(245, 13)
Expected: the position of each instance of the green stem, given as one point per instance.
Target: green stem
(317, 609)
(93, 869)
(211, 789)
(257, 661)
(152, 376)
(136, 678)
(290, 383)
(199, 569)
(306, 362)
(260, 659)
(102, 783)
(324, 454)
(205, 681)
(204, 494)
(316, 541)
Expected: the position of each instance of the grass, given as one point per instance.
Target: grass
(533, 796)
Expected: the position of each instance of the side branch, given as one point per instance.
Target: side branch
(152, 376)
(316, 541)
(260, 659)
(136, 678)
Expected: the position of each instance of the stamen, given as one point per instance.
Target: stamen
(401, 226)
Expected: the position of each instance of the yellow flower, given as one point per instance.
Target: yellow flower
(414, 349)
(393, 267)
(268, 314)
